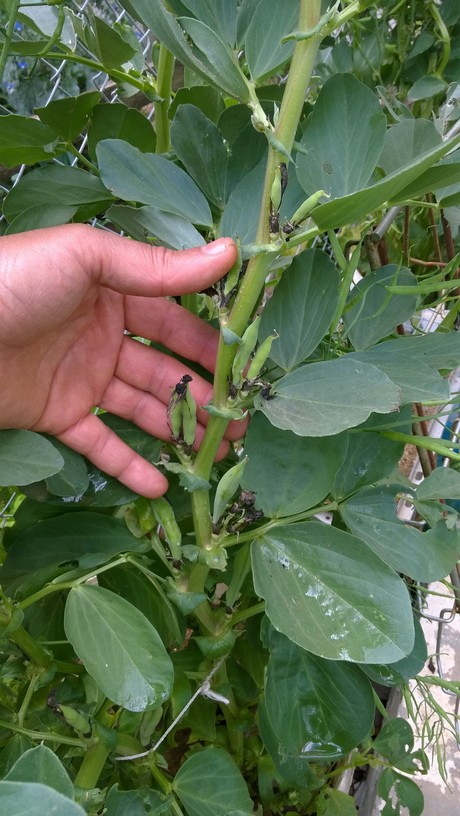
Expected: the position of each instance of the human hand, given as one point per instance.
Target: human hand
(66, 296)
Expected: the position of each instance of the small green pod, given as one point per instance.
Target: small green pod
(306, 207)
(226, 488)
(175, 419)
(276, 191)
(248, 344)
(165, 517)
(76, 720)
(189, 418)
(261, 356)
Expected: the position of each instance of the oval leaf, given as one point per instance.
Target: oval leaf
(200, 147)
(323, 399)
(264, 50)
(301, 308)
(315, 709)
(329, 593)
(372, 312)
(150, 179)
(24, 140)
(40, 764)
(442, 483)
(371, 515)
(286, 473)
(26, 457)
(120, 648)
(341, 149)
(34, 799)
(210, 784)
(67, 538)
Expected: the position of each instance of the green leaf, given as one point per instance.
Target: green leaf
(34, 799)
(353, 207)
(372, 312)
(72, 479)
(335, 803)
(425, 87)
(394, 740)
(119, 647)
(26, 141)
(150, 179)
(208, 56)
(116, 121)
(436, 350)
(200, 147)
(40, 764)
(217, 57)
(417, 382)
(44, 20)
(322, 399)
(264, 50)
(25, 457)
(443, 179)
(209, 783)
(371, 515)
(442, 483)
(48, 215)
(301, 308)
(56, 186)
(106, 42)
(405, 792)
(68, 538)
(340, 148)
(241, 213)
(371, 456)
(288, 474)
(69, 116)
(396, 674)
(139, 802)
(220, 15)
(151, 223)
(313, 709)
(147, 595)
(406, 140)
(207, 99)
(329, 593)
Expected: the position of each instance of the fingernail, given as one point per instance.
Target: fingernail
(217, 247)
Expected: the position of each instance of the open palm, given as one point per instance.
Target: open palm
(68, 296)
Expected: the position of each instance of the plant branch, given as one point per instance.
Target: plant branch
(46, 736)
(164, 84)
(258, 267)
(14, 8)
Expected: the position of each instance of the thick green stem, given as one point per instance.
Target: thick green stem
(164, 85)
(30, 648)
(256, 273)
(92, 765)
(254, 279)
(8, 35)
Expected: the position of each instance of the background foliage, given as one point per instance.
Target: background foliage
(228, 638)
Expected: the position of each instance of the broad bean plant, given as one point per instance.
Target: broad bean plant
(225, 650)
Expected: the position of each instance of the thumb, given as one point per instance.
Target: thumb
(134, 268)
